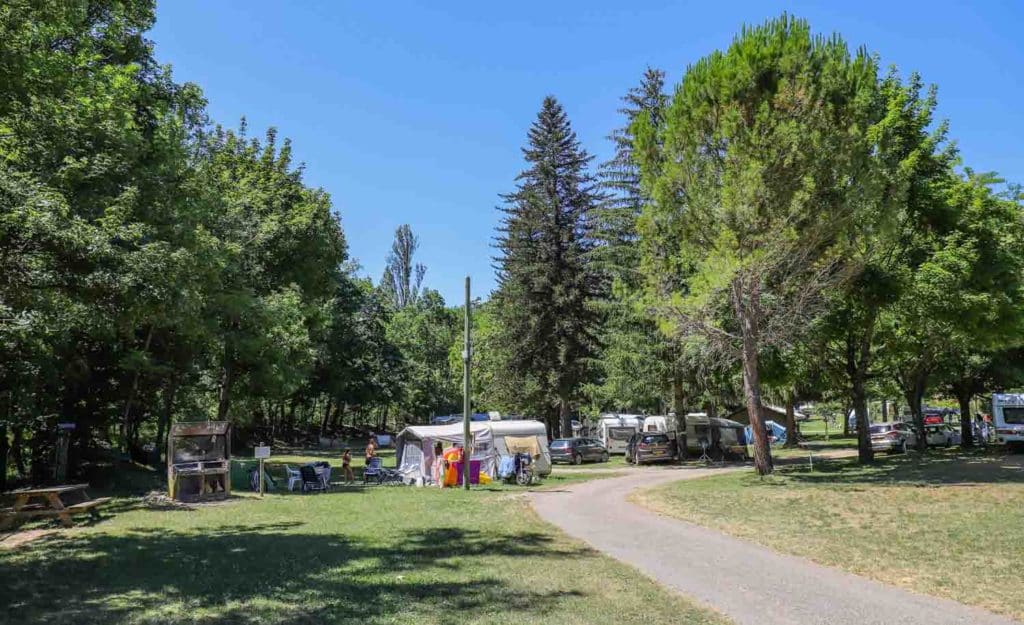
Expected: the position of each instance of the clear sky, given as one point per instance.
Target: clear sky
(415, 112)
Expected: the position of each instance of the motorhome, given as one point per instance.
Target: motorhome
(615, 430)
(1008, 417)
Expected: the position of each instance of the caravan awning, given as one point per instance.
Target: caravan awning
(451, 433)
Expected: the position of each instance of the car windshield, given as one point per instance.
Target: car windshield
(879, 429)
(655, 439)
(1014, 415)
(561, 443)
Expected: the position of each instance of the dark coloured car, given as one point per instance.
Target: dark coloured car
(577, 450)
(646, 447)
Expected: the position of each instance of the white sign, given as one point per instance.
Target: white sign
(261, 453)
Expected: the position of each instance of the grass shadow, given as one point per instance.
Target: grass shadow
(935, 467)
(267, 573)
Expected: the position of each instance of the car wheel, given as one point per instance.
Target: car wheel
(949, 442)
(577, 459)
(604, 457)
(903, 447)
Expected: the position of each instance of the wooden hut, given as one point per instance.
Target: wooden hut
(199, 461)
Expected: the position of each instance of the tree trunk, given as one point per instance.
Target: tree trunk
(126, 417)
(858, 356)
(326, 418)
(4, 452)
(914, 392)
(678, 393)
(745, 313)
(227, 379)
(163, 424)
(966, 427)
(17, 447)
(865, 453)
(885, 411)
(564, 415)
(791, 435)
(846, 420)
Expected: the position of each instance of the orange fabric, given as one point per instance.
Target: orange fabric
(454, 454)
(451, 475)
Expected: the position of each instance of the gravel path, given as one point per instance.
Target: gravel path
(746, 582)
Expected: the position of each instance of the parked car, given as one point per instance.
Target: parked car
(942, 435)
(892, 437)
(577, 450)
(644, 447)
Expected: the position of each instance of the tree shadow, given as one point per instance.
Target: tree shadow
(935, 467)
(271, 574)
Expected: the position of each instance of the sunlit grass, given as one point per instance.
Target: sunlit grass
(366, 555)
(948, 523)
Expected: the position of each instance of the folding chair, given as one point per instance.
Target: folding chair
(294, 477)
(311, 481)
(373, 470)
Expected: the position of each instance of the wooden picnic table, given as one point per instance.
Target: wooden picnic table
(59, 501)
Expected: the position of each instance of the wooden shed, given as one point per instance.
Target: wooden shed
(199, 461)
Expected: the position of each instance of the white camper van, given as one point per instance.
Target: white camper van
(615, 430)
(1008, 417)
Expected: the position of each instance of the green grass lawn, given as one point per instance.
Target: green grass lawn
(948, 523)
(366, 555)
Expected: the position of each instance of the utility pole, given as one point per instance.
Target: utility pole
(467, 348)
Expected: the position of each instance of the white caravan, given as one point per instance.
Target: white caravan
(657, 423)
(615, 430)
(1008, 417)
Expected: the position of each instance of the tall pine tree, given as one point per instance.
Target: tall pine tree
(636, 363)
(615, 224)
(548, 325)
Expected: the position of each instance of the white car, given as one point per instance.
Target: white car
(941, 435)
(892, 437)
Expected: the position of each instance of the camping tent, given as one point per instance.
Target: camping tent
(490, 440)
(776, 432)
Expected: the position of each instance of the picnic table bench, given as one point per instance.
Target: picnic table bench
(59, 501)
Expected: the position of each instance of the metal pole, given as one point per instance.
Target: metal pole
(466, 355)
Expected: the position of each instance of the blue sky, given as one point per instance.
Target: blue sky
(416, 112)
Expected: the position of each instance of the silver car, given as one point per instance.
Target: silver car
(941, 435)
(892, 437)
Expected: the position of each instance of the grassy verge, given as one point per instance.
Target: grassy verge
(375, 555)
(948, 523)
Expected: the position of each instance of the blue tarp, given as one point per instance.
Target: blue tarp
(775, 430)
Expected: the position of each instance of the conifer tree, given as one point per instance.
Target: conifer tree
(545, 283)
(616, 219)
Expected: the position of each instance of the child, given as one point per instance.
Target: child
(346, 466)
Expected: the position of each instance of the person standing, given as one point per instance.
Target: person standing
(346, 466)
(370, 451)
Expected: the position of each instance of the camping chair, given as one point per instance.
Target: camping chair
(294, 477)
(391, 477)
(324, 471)
(310, 479)
(374, 470)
